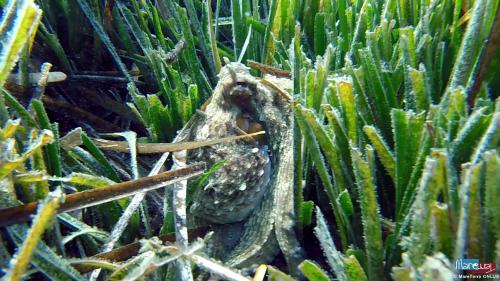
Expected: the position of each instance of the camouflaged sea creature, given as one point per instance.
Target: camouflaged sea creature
(249, 201)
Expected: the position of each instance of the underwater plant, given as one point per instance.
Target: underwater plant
(384, 155)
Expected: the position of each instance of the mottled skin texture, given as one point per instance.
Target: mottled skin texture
(234, 191)
(248, 202)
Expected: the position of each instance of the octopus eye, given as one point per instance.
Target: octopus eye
(243, 123)
(248, 126)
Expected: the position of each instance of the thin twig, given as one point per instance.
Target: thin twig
(264, 68)
(174, 54)
(151, 148)
(98, 196)
(34, 78)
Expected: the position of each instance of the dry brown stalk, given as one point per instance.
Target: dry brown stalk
(150, 148)
(105, 194)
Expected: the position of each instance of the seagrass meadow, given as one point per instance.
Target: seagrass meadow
(395, 126)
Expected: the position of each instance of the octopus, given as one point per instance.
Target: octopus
(248, 202)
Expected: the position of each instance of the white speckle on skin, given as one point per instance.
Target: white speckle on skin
(243, 186)
(255, 150)
(203, 133)
(181, 157)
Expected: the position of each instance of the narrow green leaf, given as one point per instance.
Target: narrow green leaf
(386, 156)
(410, 191)
(491, 199)
(12, 102)
(345, 203)
(353, 269)
(74, 178)
(99, 156)
(333, 256)
(377, 90)
(53, 150)
(348, 102)
(469, 136)
(158, 28)
(159, 124)
(275, 274)
(86, 231)
(46, 211)
(239, 26)
(78, 226)
(18, 26)
(419, 88)
(370, 215)
(490, 139)
(95, 263)
(201, 32)
(326, 143)
(444, 232)
(307, 212)
(456, 112)
(312, 271)
(408, 129)
(190, 52)
(431, 183)
(272, 29)
(331, 190)
(474, 224)
(463, 225)
(339, 131)
(319, 34)
(298, 177)
(212, 36)
(45, 260)
(469, 49)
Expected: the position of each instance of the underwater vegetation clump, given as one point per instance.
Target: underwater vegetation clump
(383, 139)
